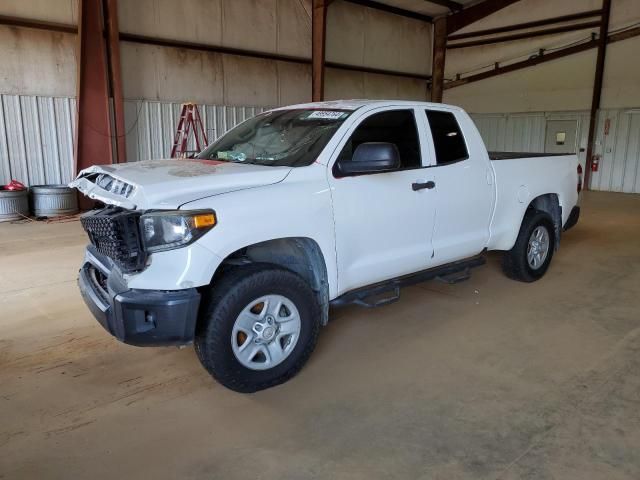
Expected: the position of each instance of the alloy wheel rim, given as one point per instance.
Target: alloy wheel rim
(538, 247)
(265, 332)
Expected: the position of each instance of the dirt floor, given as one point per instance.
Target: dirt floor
(486, 379)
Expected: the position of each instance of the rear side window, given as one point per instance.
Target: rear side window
(394, 126)
(447, 137)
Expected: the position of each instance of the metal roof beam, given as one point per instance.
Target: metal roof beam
(524, 35)
(543, 58)
(390, 9)
(522, 26)
(450, 4)
(470, 15)
(38, 24)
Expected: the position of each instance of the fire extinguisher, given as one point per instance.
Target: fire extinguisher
(595, 161)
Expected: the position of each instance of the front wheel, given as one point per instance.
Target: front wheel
(531, 255)
(258, 329)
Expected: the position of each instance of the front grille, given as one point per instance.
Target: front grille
(114, 232)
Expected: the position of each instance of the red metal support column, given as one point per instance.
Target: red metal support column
(115, 77)
(318, 43)
(438, 61)
(597, 87)
(93, 121)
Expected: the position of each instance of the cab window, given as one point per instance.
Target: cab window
(394, 126)
(448, 141)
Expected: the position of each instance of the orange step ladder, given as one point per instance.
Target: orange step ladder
(189, 121)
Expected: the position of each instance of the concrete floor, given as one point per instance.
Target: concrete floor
(487, 379)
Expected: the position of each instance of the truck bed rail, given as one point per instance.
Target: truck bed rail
(516, 155)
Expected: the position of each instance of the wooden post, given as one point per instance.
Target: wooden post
(318, 42)
(597, 87)
(439, 54)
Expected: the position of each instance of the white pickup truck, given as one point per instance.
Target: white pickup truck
(242, 250)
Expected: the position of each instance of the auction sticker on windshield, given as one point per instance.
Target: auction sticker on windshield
(326, 115)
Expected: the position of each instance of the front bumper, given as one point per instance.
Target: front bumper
(135, 316)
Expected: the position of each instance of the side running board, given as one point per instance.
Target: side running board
(374, 300)
(389, 290)
(454, 278)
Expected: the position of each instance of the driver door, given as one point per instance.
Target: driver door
(383, 223)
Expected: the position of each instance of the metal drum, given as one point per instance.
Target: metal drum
(53, 200)
(14, 205)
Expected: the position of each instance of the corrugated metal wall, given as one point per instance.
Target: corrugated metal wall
(37, 134)
(151, 125)
(619, 168)
(36, 139)
(619, 147)
(512, 133)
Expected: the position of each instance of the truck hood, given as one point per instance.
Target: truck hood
(171, 183)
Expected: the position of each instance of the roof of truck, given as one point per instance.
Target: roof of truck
(355, 104)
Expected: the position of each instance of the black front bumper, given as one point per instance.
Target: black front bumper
(136, 317)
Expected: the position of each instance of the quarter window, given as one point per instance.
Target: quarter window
(394, 126)
(447, 137)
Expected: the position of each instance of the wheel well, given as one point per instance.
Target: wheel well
(298, 254)
(550, 204)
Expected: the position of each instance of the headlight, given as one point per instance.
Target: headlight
(169, 229)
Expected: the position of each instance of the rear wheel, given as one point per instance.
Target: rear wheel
(531, 255)
(258, 329)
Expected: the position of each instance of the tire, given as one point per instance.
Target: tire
(217, 329)
(515, 262)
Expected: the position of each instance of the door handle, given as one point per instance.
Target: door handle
(420, 185)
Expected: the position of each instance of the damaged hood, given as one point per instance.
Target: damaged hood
(171, 183)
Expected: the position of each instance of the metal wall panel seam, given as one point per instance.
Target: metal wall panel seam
(626, 152)
(610, 144)
(70, 109)
(5, 164)
(57, 157)
(38, 140)
(635, 186)
(21, 140)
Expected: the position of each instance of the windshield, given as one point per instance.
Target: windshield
(291, 138)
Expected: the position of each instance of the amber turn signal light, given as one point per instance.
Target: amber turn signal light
(204, 220)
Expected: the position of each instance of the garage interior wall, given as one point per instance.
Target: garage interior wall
(156, 79)
(366, 37)
(512, 110)
(37, 95)
(38, 79)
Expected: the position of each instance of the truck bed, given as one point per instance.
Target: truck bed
(515, 155)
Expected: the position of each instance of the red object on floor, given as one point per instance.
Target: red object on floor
(14, 185)
(189, 120)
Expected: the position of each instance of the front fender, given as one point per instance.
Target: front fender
(299, 207)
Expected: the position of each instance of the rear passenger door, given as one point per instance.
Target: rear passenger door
(383, 222)
(464, 188)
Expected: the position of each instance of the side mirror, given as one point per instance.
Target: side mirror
(371, 157)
